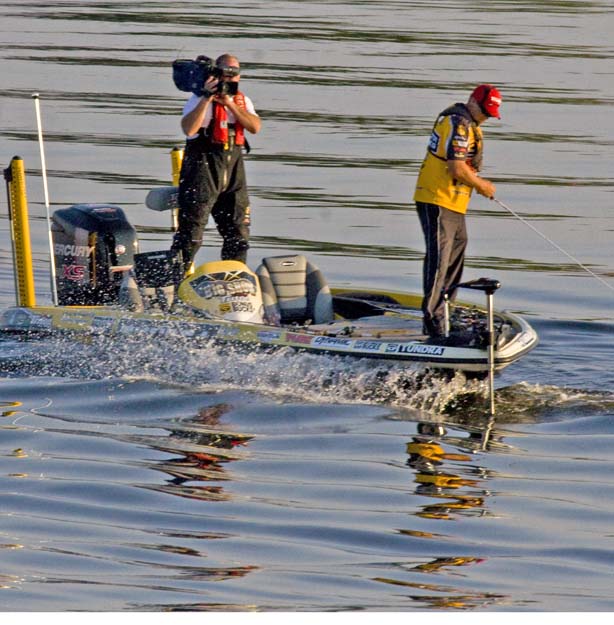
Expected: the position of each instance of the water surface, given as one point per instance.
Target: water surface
(151, 476)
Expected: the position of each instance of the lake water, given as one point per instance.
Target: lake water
(156, 477)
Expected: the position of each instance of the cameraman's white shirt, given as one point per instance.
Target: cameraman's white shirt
(190, 105)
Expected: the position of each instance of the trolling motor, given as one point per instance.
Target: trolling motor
(488, 286)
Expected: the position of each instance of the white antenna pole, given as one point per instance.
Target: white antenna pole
(54, 291)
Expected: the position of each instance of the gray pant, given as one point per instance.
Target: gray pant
(445, 236)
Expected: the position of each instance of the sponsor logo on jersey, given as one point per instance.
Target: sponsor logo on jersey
(434, 141)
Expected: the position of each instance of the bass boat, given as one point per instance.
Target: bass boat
(103, 285)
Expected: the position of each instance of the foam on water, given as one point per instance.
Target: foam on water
(288, 375)
(281, 373)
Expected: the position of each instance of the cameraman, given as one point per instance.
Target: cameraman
(212, 178)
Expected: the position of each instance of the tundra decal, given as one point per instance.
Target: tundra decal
(415, 348)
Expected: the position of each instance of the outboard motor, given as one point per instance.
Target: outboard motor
(92, 245)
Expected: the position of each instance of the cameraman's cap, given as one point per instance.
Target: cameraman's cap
(489, 99)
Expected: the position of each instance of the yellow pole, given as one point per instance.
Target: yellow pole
(176, 160)
(20, 231)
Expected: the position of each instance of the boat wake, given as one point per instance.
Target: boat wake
(288, 376)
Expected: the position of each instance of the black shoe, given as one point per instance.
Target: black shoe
(432, 331)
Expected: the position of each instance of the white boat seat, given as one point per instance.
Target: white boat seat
(294, 290)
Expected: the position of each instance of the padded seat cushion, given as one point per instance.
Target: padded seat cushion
(294, 290)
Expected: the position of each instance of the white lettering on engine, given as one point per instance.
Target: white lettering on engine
(73, 250)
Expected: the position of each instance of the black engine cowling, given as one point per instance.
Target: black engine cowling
(92, 244)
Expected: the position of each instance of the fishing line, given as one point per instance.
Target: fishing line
(558, 247)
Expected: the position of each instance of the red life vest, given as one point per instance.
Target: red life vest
(218, 129)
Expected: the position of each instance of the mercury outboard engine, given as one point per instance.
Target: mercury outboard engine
(93, 244)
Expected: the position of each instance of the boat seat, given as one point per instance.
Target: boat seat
(294, 291)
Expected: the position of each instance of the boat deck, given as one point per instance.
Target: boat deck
(376, 327)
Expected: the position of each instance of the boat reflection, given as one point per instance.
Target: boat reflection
(447, 597)
(204, 446)
(446, 471)
(441, 473)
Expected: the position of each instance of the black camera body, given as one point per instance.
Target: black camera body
(191, 75)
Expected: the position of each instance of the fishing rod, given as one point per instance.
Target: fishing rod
(558, 247)
(54, 292)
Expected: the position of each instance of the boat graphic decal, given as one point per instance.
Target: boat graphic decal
(415, 348)
(331, 341)
(369, 346)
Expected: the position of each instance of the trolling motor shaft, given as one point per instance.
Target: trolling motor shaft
(487, 286)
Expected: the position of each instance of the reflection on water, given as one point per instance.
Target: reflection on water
(436, 479)
(204, 453)
(459, 489)
(196, 499)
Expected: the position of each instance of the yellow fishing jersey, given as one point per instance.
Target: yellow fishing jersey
(455, 136)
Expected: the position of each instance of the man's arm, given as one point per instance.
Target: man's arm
(461, 171)
(249, 121)
(192, 121)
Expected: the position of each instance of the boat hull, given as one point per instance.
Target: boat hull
(390, 334)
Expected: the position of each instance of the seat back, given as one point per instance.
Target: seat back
(294, 290)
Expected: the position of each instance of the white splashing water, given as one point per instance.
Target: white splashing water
(283, 373)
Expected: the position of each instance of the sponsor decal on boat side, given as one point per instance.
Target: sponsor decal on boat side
(293, 337)
(228, 332)
(196, 331)
(369, 346)
(268, 336)
(415, 348)
(74, 318)
(102, 324)
(210, 286)
(331, 341)
(18, 319)
(242, 306)
(139, 326)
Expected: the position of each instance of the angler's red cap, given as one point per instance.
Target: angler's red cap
(489, 99)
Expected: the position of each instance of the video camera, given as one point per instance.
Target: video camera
(189, 75)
